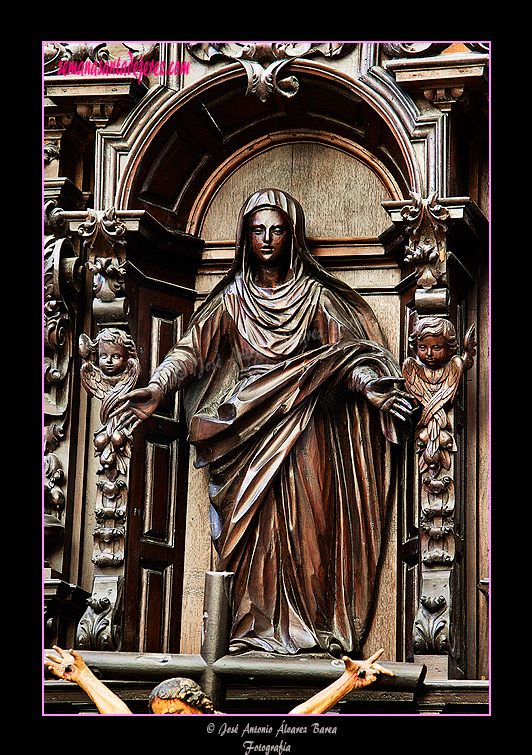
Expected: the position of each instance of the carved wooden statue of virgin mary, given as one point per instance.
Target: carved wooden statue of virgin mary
(293, 402)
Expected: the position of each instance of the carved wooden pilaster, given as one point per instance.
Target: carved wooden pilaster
(63, 601)
(433, 374)
(434, 382)
(110, 368)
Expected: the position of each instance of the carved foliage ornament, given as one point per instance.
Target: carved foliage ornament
(426, 229)
(103, 237)
(61, 269)
(431, 628)
(427, 49)
(99, 627)
(110, 369)
(263, 61)
(55, 53)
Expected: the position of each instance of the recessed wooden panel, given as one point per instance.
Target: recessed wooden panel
(160, 499)
(166, 330)
(155, 605)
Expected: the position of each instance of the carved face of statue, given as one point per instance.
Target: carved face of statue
(173, 707)
(434, 351)
(112, 358)
(270, 236)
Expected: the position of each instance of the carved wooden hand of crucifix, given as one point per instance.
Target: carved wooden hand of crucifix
(357, 674)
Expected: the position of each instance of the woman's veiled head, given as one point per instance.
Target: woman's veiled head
(303, 263)
(272, 200)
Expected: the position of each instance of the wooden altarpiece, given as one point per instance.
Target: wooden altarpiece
(384, 145)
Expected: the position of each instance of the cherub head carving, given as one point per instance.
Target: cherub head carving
(434, 341)
(110, 350)
(109, 359)
(110, 369)
(433, 379)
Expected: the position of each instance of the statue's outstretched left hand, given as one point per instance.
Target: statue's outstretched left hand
(386, 396)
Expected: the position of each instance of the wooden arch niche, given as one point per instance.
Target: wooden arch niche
(329, 149)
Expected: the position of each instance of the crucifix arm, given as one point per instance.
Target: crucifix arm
(71, 666)
(357, 674)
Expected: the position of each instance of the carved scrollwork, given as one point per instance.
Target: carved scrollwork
(54, 476)
(263, 61)
(414, 49)
(431, 627)
(61, 274)
(61, 270)
(426, 229)
(51, 150)
(427, 49)
(103, 238)
(55, 53)
(99, 627)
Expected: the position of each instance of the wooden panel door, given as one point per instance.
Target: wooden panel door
(158, 485)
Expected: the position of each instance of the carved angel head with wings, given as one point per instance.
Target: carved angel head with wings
(110, 364)
(110, 369)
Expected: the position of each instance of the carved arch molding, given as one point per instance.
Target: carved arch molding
(187, 148)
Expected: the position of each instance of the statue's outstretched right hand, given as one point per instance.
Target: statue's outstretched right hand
(138, 405)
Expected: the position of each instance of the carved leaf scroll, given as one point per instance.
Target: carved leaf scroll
(426, 229)
(264, 61)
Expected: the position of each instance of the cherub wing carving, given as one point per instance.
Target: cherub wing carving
(91, 378)
(414, 382)
(470, 348)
